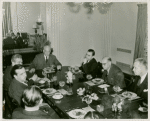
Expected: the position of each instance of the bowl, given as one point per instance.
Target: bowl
(58, 97)
(80, 93)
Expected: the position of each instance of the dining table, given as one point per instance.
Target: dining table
(74, 101)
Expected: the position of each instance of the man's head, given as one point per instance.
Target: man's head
(90, 53)
(18, 34)
(18, 72)
(140, 66)
(8, 35)
(32, 96)
(106, 63)
(47, 48)
(16, 59)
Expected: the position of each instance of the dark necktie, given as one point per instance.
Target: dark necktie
(139, 82)
(106, 77)
(46, 59)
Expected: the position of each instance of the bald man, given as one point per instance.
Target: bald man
(112, 74)
(45, 59)
(140, 83)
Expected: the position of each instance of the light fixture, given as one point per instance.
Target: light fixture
(103, 7)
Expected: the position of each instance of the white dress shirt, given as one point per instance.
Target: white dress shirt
(45, 57)
(142, 78)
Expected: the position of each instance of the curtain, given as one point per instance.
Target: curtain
(53, 25)
(141, 32)
(6, 22)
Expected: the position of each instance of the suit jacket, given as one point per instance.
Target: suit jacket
(114, 77)
(16, 89)
(90, 68)
(20, 42)
(40, 63)
(21, 113)
(9, 43)
(139, 89)
(7, 78)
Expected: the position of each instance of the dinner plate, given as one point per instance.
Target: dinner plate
(49, 91)
(97, 81)
(143, 109)
(60, 96)
(77, 113)
(129, 94)
(42, 81)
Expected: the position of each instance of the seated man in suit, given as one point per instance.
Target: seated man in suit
(89, 65)
(7, 78)
(112, 74)
(8, 42)
(18, 84)
(140, 83)
(32, 99)
(44, 59)
(19, 41)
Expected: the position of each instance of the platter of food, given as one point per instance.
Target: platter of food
(128, 94)
(98, 81)
(77, 113)
(49, 91)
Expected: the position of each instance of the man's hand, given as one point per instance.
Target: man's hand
(34, 77)
(89, 76)
(32, 70)
(84, 60)
(58, 67)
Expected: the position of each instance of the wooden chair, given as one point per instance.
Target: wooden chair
(10, 102)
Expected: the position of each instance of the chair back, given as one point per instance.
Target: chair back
(99, 70)
(12, 103)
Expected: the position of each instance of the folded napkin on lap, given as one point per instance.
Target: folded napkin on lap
(90, 83)
(104, 86)
(87, 109)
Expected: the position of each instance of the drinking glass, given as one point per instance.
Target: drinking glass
(61, 84)
(89, 101)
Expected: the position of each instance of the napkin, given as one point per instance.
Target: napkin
(122, 97)
(90, 83)
(87, 109)
(104, 86)
(113, 95)
(62, 91)
(134, 98)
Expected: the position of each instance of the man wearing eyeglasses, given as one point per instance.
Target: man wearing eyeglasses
(112, 74)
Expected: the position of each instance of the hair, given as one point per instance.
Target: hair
(8, 35)
(32, 96)
(94, 115)
(18, 33)
(142, 61)
(14, 68)
(91, 50)
(14, 57)
(108, 58)
(47, 43)
(12, 34)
